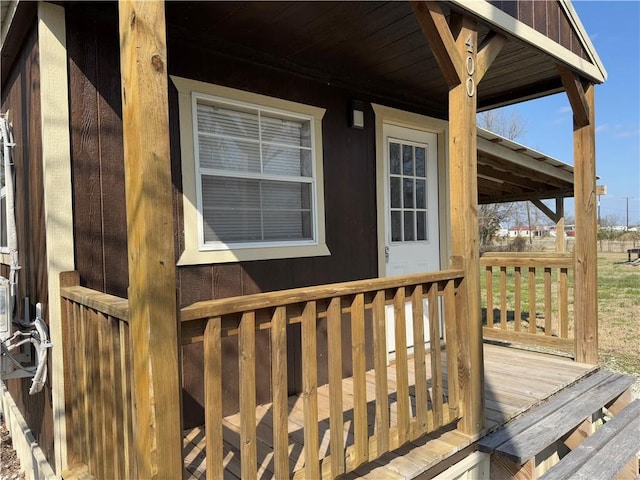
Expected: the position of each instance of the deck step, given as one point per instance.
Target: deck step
(606, 452)
(533, 431)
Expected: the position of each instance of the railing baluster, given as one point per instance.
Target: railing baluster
(380, 363)
(402, 370)
(129, 418)
(419, 359)
(489, 272)
(547, 302)
(213, 398)
(334, 351)
(532, 299)
(360, 429)
(503, 297)
(452, 348)
(118, 405)
(518, 299)
(247, 351)
(310, 391)
(563, 306)
(279, 388)
(436, 361)
(107, 388)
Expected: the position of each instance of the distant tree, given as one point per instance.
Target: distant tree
(492, 216)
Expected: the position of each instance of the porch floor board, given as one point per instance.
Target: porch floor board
(515, 381)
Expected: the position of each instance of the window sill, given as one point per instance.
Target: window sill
(197, 257)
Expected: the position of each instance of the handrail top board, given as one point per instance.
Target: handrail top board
(224, 306)
(111, 305)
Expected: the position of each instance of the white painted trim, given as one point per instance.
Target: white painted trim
(496, 17)
(56, 163)
(193, 254)
(32, 459)
(7, 21)
(391, 116)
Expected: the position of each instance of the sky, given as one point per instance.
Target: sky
(614, 30)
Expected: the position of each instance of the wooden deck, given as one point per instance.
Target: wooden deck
(515, 380)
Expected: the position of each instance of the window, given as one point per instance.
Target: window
(252, 175)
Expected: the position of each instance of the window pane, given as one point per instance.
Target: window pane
(421, 199)
(420, 162)
(421, 218)
(287, 225)
(409, 227)
(229, 154)
(408, 192)
(284, 195)
(394, 158)
(278, 130)
(222, 121)
(230, 193)
(232, 225)
(407, 159)
(396, 194)
(306, 166)
(396, 226)
(281, 160)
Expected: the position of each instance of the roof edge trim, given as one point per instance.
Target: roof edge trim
(574, 19)
(7, 20)
(496, 17)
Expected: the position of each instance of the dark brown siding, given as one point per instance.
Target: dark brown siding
(548, 18)
(96, 150)
(21, 95)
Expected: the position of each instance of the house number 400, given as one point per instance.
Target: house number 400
(471, 68)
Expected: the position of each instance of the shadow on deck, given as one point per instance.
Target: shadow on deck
(515, 381)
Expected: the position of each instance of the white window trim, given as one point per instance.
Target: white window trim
(195, 253)
(4, 249)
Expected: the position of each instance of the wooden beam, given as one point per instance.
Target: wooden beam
(585, 275)
(438, 34)
(553, 216)
(577, 99)
(463, 188)
(150, 231)
(487, 53)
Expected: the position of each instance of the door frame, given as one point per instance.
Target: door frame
(392, 116)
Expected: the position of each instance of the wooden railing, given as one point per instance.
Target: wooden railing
(363, 305)
(532, 291)
(97, 381)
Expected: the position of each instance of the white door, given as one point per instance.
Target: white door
(411, 213)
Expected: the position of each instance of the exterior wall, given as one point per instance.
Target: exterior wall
(548, 18)
(21, 95)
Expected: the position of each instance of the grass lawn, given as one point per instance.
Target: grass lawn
(619, 313)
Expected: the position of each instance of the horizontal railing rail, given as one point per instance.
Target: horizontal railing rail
(532, 293)
(364, 304)
(98, 380)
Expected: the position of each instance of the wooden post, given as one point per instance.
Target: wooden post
(152, 283)
(560, 236)
(586, 257)
(463, 64)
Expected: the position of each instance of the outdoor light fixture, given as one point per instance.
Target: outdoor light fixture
(356, 119)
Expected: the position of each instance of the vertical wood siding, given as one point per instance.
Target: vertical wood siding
(21, 95)
(548, 18)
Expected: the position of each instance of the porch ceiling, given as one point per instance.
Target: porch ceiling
(376, 47)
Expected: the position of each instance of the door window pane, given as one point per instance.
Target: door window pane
(420, 162)
(396, 194)
(396, 226)
(421, 199)
(394, 158)
(409, 227)
(407, 159)
(408, 192)
(421, 218)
